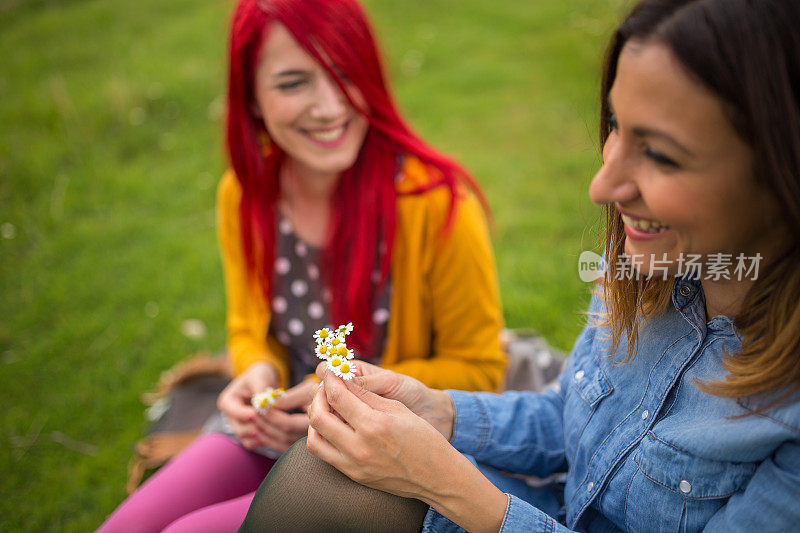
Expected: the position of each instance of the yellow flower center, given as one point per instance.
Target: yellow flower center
(323, 349)
(345, 368)
(336, 361)
(323, 334)
(275, 394)
(342, 350)
(263, 403)
(335, 341)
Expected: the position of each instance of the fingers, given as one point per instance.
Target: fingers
(292, 424)
(254, 435)
(381, 383)
(235, 404)
(327, 423)
(296, 397)
(365, 369)
(322, 448)
(372, 399)
(351, 408)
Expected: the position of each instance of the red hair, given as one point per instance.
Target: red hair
(337, 34)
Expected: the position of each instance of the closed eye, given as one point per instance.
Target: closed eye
(660, 158)
(290, 85)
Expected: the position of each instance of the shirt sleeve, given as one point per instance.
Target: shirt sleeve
(247, 317)
(466, 352)
(522, 516)
(519, 431)
(770, 500)
(519, 516)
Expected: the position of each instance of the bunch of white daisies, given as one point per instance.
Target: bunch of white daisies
(331, 347)
(264, 401)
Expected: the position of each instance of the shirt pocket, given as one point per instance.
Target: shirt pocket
(674, 490)
(588, 385)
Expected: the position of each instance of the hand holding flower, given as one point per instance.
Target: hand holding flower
(381, 443)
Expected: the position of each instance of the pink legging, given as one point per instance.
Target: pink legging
(207, 487)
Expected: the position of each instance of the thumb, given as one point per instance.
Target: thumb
(297, 396)
(369, 397)
(381, 383)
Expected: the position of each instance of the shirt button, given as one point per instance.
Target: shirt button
(579, 375)
(685, 291)
(685, 487)
(645, 414)
(590, 486)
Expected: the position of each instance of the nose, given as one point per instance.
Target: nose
(615, 181)
(329, 101)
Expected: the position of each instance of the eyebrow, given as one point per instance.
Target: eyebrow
(290, 72)
(641, 131)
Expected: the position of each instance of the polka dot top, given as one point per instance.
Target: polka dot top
(300, 302)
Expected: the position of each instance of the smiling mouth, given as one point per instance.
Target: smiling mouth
(645, 225)
(328, 136)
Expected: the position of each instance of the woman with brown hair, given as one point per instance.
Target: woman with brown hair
(679, 407)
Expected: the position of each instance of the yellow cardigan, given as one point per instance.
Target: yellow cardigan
(445, 316)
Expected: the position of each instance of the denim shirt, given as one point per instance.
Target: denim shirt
(643, 447)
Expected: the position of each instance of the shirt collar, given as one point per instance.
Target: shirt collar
(689, 300)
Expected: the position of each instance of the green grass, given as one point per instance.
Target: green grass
(110, 148)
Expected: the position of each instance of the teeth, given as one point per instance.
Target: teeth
(327, 136)
(648, 226)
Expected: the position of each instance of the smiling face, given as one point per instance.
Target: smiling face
(675, 169)
(303, 109)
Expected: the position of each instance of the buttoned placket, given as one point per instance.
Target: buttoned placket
(609, 453)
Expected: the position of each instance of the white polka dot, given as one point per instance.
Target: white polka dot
(295, 327)
(315, 310)
(282, 265)
(284, 226)
(380, 316)
(326, 294)
(313, 271)
(544, 359)
(284, 338)
(301, 249)
(279, 304)
(299, 287)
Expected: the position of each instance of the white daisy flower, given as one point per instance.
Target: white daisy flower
(343, 351)
(323, 335)
(264, 401)
(345, 329)
(346, 370)
(336, 340)
(334, 363)
(323, 351)
(260, 401)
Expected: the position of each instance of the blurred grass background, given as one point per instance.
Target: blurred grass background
(110, 150)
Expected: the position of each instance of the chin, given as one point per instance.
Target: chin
(336, 166)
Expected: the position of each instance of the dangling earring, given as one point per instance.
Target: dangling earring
(264, 143)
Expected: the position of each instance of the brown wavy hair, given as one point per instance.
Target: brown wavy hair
(748, 53)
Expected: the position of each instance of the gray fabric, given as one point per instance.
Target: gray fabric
(532, 363)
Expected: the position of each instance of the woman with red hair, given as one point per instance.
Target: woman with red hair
(334, 211)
